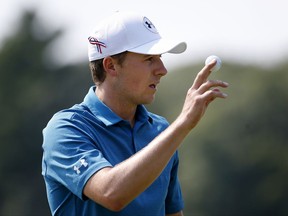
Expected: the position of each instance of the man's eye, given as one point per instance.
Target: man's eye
(152, 58)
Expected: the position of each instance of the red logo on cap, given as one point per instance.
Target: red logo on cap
(99, 44)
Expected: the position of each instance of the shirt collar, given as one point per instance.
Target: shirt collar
(106, 115)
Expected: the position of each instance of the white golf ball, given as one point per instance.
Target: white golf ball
(218, 64)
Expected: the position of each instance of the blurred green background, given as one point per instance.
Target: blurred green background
(234, 163)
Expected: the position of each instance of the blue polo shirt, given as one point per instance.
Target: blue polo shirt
(79, 141)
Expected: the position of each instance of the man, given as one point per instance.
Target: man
(109, 155)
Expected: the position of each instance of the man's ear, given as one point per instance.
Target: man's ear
(109, 66)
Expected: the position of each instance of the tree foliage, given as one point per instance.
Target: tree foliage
(30, 93)
(233, 163)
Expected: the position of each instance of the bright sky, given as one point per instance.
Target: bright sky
(243, 31)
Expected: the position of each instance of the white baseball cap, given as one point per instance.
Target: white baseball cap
(127, 31)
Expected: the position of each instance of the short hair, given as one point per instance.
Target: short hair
(97, 70)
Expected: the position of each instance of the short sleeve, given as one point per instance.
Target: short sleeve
(70, 155)
(174, 200)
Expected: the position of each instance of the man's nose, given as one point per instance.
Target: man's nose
(161, 69)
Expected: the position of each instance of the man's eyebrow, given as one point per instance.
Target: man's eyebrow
(149, 55)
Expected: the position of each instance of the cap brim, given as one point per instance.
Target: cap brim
(160, 46)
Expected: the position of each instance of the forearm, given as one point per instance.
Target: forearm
(139, 171)
(122, 183)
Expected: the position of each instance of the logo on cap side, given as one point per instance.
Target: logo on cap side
(149, 25)
(99, 44)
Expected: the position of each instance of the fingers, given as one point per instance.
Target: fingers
(203, 74)
(211, 94)
(208, 85)
(208, 88)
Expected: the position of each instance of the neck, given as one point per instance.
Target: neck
(118, 105)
